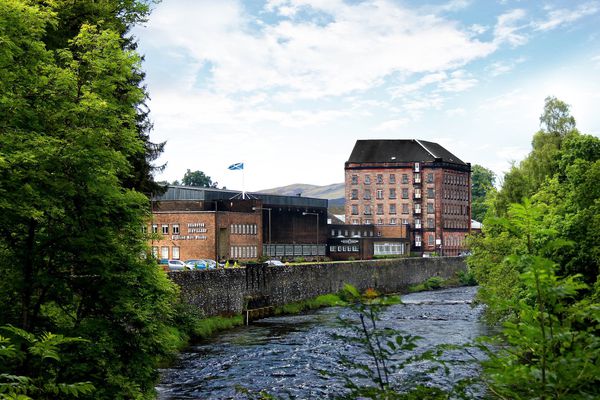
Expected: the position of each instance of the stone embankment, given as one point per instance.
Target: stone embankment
(233, 291)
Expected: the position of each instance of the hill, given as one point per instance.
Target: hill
(334, 193)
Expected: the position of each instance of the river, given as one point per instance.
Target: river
(283, 355)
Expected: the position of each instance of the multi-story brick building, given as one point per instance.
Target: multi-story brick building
(199, 223)
(391, 183)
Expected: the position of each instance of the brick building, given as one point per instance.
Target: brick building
(201, 223)
(410, 184)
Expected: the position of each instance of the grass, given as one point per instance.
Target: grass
(435, 282)
(326, 300)
(206, 327)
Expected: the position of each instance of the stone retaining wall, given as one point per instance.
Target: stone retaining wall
(225, 291)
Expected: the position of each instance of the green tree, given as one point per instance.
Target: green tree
(72, 253)
(482, 183)
(198, 178)
(525, 179)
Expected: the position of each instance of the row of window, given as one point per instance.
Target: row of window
(453, 179)
(338, 232)
(391, 209)
(453, 209)
(456, 194)
(417, 193)
(392, 178)
(456, 224)
(244, 251)
(454, 241)
(165, 251)
(343, 249)
(165, 229)
(383, 249)
(381, 221)
(244, 229)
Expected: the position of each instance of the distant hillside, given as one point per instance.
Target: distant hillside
(334, 193)
(329, 192)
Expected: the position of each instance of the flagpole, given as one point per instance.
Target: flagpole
(243, 189)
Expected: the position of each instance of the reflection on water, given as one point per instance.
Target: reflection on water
(283, 355)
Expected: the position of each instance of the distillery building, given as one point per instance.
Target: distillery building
(410, 187)
(202, 223)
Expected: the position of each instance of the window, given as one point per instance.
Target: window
(379, 221)
(404, 178)
(355, 179)
(367, 194)
(368, 222)
(430, 177)
(367, 209)
(379, 178)
(367, 179)
(417, 193)
(164, 252)
(392, 221)
(176, 253)
(354, 194)
(430, 223)
(430, 240)
(392, 178)
(430, 193)
(165, 229)
(417, 167)
(379, 209)
(417, 240)
(405, 208)
(417, 178)
(417, 223)
(404, 193)
(355, 222)
(144, 229)
(430, 208)
(417, 209)
(155, 251)
(354, 209)
(175, 229)
(392, 209)
(392, 193)
(154, 228)
(379, 194)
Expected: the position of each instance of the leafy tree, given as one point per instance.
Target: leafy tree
(72, 254)
(482, 183)
(542, 162)
(43, 354)
(198, 178)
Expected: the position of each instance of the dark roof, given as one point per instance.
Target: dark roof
(209, 194)
(400, 150)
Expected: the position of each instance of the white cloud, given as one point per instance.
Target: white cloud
(459, 82)
(363, 44)
(392, 125)
(502, 67)
(508, 30)
(561, 17)
(596, 61)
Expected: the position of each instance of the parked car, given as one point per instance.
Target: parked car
(177, 265)
(196, 264)
(275, 263)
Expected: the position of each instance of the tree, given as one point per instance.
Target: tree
(72, 253)
(199, 179)
(482, 183)
(525, 179)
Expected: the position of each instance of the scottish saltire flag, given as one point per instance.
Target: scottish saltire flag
(236, 166)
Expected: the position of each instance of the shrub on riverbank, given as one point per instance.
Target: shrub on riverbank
(326, 300)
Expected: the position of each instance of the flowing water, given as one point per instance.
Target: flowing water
(283, 356)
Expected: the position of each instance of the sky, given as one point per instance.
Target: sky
(288, 86)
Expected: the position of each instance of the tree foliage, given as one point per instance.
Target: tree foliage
(482, 183)
(198, 178)
(72, 254)
(538, 263)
